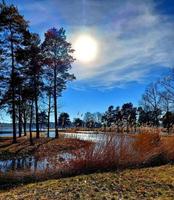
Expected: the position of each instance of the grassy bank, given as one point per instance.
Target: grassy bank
(41, 147)
(147, 183)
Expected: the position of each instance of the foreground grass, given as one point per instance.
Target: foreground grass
(147, 183)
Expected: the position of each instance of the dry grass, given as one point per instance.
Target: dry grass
(97, 157)
(148, 183)
(168, 147)
(116, 152)
(122, 151)
(42, 147)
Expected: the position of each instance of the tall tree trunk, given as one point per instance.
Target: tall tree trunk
(20, 122)
(36, 109)
(55, 103)
(19, 115)
(31, 117)
(13, 88)
(25, 124)
(49, 110)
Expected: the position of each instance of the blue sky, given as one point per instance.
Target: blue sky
(136, 46)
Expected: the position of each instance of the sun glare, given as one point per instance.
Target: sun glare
(86, 48)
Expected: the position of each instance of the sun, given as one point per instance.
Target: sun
(86, 48)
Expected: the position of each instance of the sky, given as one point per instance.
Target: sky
(135, 41)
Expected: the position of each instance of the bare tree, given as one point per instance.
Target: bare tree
(151, 101)
(168, 86)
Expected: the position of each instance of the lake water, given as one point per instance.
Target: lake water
(33, 164)
(8, 132)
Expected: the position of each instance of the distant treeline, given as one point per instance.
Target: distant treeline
(156, 108)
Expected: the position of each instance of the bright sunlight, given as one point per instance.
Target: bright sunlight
(86, 48)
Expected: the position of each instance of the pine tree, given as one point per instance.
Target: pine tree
(12, 29)
(57, 52)
(31, 58)
(64, 120)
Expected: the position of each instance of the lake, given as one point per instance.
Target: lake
(33, 164)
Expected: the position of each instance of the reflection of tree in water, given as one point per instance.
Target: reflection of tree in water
(13, 165)
(18, 164)
(35, 164)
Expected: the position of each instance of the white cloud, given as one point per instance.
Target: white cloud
(138, 40)
(133, 37)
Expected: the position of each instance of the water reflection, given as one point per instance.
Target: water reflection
(32, 163)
